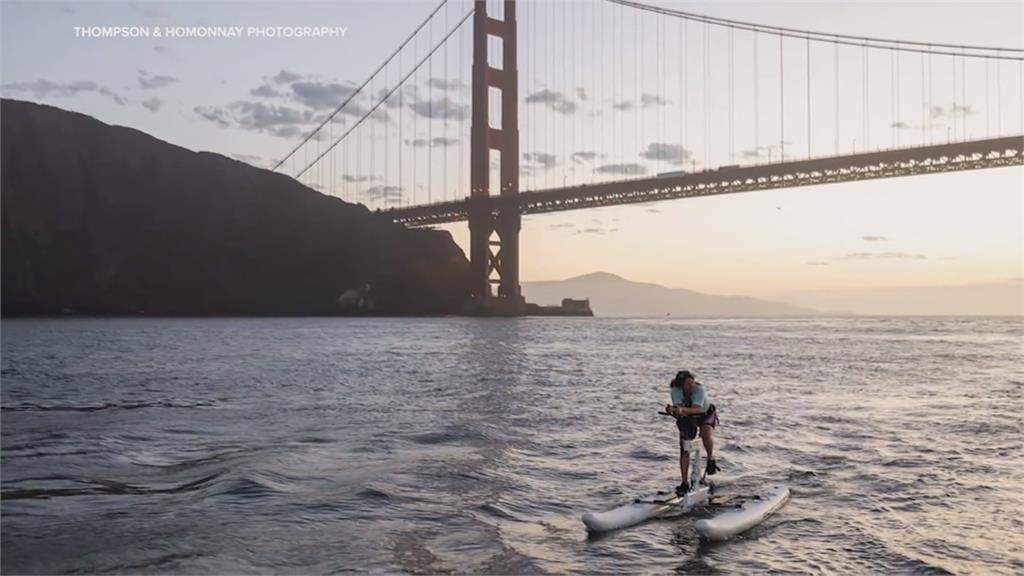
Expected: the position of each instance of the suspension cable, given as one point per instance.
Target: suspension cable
(390, 92)
(363, 85)
(820, 36)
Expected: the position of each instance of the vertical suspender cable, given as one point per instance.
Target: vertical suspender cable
(892, 96)
(415, 121)
(782, 106)
(924, 107)
(953, 111)
(567, 139)
(373, 147)
(808, 97)
(330, 136)
(401, 144)
(988, 101)
(899, 101)
(835, 92)
(463, 161)
(551, 43)
(444, 127)
(963, 97)
(638, 23)
(571, 91)
(430, 119)
(999, 97)
(707, 95)
(732, 148)
(867, 99)
(931, 109)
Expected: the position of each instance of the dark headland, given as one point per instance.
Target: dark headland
(107, 220)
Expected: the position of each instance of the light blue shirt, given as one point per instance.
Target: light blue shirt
(699, 397)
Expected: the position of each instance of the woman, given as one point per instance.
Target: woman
(692, 409)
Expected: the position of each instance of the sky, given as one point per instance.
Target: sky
(605, 93)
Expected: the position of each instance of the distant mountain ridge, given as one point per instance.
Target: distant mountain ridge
(612, 295)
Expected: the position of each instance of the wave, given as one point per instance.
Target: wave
(89, 487)
(32, 407)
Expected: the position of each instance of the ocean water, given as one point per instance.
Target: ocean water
(473, 445)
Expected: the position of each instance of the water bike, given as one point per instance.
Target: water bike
(721, 516)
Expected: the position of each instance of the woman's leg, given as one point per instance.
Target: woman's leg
(709, 442)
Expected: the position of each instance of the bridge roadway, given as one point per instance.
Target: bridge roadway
(950, 157)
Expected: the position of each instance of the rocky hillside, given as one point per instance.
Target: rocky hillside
(106, 220)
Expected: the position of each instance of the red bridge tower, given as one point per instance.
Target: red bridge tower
(494, 232)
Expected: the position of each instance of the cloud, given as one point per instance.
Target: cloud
(873, 238)
(671, 153)
(396, 98)
(817, 263)
(953, 109)
(351, 178)
(383, 192)
(276, 120)
(261, 116)
(648, 100)
(265, 91)
(445, 109)
(43, 88)
(150, 82)
(762, 151)
(883, 256)
(965, 110)
(585, 156)
(288, 132)
(630, 168)
(286, 77)
(442, 84)
(541, 159)
(623, 105)
(436, 141)
(153, 104)
(321, 95)
(214, 114)
(553, 100)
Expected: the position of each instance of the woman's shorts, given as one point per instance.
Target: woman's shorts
(689, 425)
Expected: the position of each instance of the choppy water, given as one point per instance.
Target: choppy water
(473, 445)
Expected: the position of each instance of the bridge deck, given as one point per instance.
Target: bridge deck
(971, 155)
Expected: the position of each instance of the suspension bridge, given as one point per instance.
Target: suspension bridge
(489, 110)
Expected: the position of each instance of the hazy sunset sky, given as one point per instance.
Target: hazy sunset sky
(253, 98)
